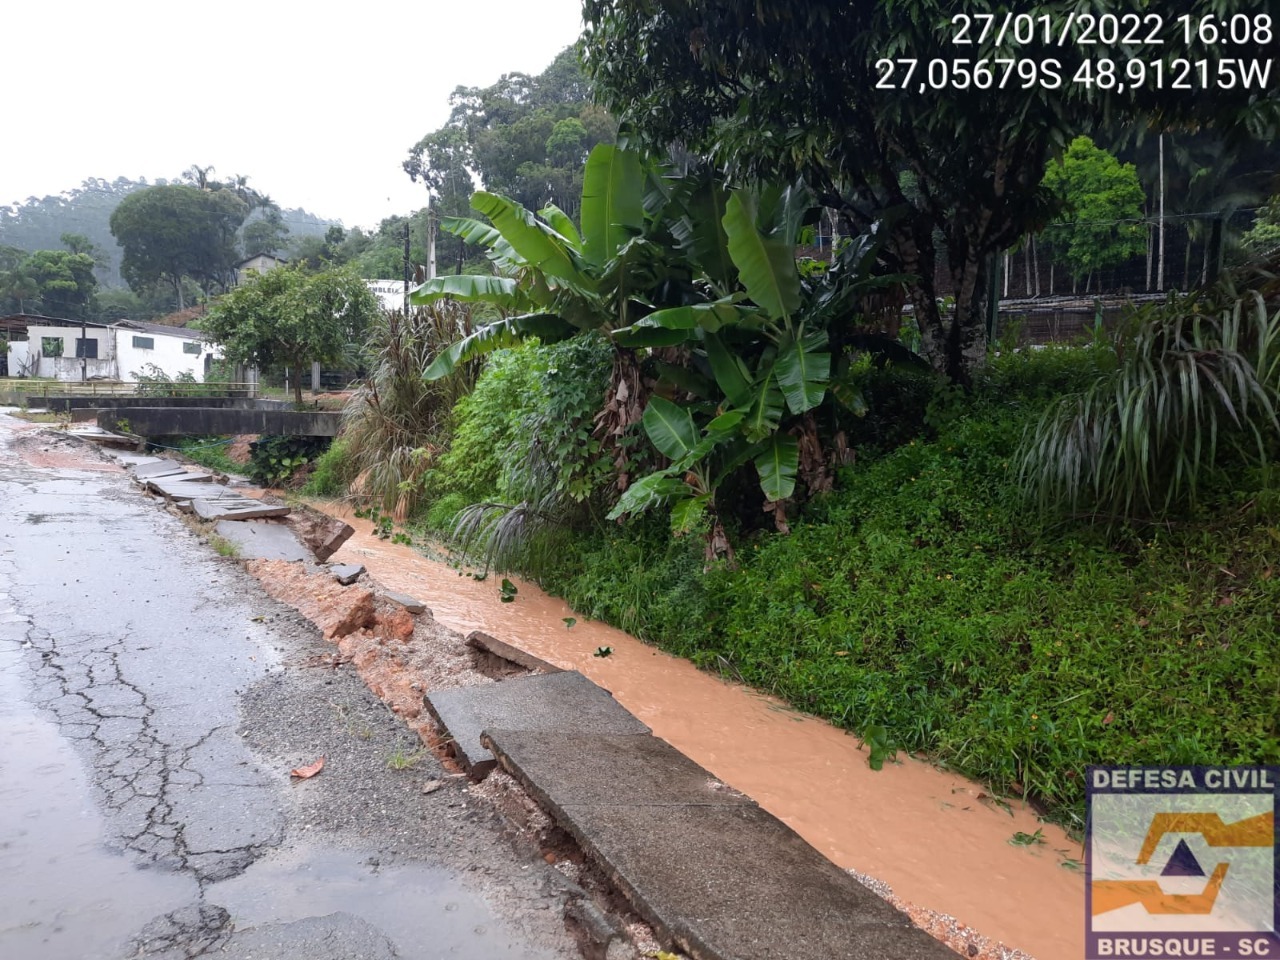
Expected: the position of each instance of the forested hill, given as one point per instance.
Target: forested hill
(38, 223)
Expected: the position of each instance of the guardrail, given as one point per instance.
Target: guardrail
(38, 390)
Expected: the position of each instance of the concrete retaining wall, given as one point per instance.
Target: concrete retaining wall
(63, 404)
(208, 421)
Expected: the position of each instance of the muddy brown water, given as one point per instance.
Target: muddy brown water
(935, 837)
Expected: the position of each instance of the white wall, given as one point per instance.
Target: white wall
(68, 366)
(18, 359)
(118, 358)
(166, 353)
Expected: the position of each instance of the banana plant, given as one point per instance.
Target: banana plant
(555, 278)
(764, 356)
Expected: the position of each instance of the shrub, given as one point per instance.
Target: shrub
(396, 423)
(1196, 387)
(274, 460)
(333, 473)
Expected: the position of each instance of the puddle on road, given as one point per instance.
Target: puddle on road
(423, 910)
(64, 895)
(936, 838)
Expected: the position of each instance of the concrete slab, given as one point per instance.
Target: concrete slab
(157, 468)
(262, 539)
(717, 876)
(346, 573)
(189, 486)
(237, 508)
(505, 653)
(136, 459)
(567, 769)
(557, 704)
(406, 601)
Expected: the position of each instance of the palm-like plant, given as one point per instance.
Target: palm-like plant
(394, 424)
(1194, 375)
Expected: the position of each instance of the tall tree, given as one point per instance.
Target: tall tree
(290, 318)
(513, 135)
(850, 94)
(59, 283)
(174, 232)
(1101, 199)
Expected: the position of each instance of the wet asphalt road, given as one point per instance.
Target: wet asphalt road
(152, 702)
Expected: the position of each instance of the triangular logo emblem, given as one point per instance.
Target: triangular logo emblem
(1183, 863)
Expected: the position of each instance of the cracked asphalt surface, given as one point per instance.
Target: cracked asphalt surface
(152, 702)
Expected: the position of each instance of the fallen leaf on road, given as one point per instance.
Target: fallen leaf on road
(309, 771)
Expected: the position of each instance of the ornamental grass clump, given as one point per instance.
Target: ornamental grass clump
(1196, 387)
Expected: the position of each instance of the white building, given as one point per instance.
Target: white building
(123, 350)
(390, 293)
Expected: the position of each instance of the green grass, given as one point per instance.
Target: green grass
(924, 600)
(223, 547)
(925, 605)
(208, 452)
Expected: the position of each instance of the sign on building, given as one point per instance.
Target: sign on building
(390, 293)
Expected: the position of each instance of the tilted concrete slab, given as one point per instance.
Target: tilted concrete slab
(608, 769)
(188, 486)
(137, 459)
(489, 646)
(157, 468)
(552, 704)
(237, 508)
(717, 877)
(262, 540)
(411, 604)
(346, 573)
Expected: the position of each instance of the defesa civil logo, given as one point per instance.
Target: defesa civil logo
(1182, 862)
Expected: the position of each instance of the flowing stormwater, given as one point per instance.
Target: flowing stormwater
(936, 838)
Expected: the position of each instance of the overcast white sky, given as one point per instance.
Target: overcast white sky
(316, 103)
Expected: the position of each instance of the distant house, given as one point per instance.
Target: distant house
(69, 350)
(259, 263)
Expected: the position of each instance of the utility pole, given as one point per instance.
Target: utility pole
(84, 351)
(408, 268)
(1160, 263)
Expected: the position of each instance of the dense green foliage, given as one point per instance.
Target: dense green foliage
(1264, 237)
(289, 318)
(39, 223)
(175, 232)
(925, 597)
(1101, 198)
(1197, 385)
(57, 283)
(525, 136)
(397, 423)
(779, 90)
(274, 460)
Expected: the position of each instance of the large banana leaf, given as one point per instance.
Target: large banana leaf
(709, 316)
(502, 291)
(494, 336)
(637, 337)
(536, 245)
(700, 233)
(765, 412)
(670, 427)
(473, 231)
(612, 201)
(561, 224)
(729, 370)
(766, 264)
(777, 465)
(648, 492)
(481, 234)
(803, 369)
